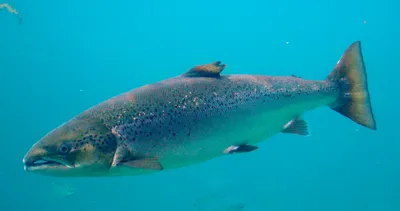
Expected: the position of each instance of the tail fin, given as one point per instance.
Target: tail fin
(351, 77)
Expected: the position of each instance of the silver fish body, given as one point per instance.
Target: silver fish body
(189, 120)
(195, 117)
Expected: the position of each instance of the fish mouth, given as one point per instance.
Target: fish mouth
(45, 163)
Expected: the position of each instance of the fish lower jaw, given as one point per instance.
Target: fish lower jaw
(46, 164)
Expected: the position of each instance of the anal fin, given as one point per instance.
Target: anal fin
(296, 126)
(240, 149)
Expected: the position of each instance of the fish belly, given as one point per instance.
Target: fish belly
(246, 126)
(224, 132)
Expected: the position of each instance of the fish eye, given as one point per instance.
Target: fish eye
(64, 148)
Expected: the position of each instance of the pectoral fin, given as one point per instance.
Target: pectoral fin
(123, 157)
(144, 163)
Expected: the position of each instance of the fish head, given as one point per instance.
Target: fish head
(78, 148)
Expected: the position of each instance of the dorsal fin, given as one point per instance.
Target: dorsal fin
(207, 70)
(296, 126)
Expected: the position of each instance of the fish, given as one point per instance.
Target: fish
(195, 117)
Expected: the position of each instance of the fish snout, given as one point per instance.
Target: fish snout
(33, 155)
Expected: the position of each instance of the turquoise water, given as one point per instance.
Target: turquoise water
(69, 55)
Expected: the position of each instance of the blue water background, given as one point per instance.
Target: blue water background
(70, 55)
